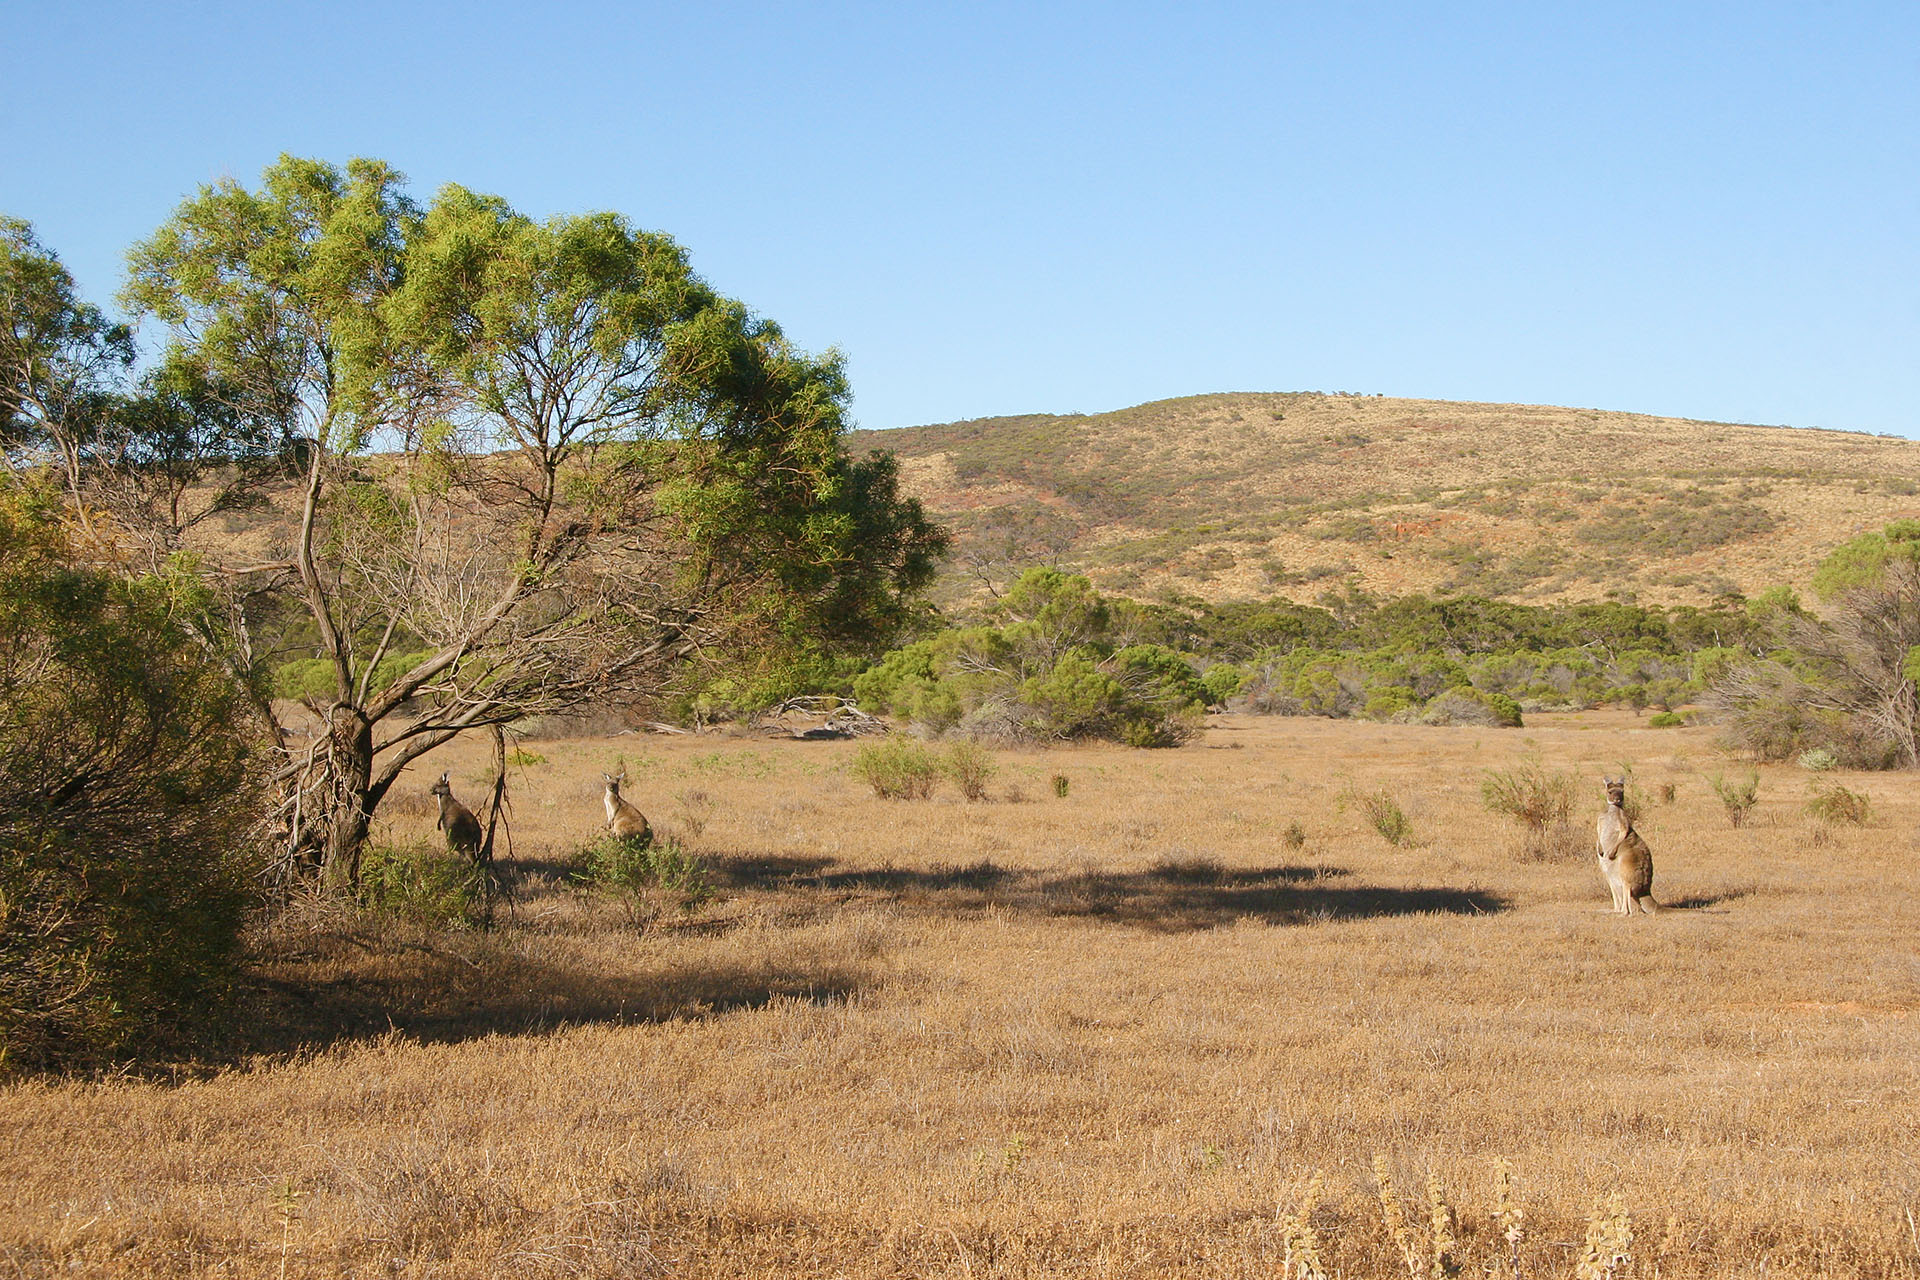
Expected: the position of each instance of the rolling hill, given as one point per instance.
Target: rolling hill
(1234, 496)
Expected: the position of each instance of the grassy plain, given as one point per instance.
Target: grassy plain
(1110, 1033)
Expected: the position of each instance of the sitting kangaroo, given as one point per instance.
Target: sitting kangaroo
(462, 828)
(623, 819)
(1625, 860)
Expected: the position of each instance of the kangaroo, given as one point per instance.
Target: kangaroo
(1625, 860)
(462, 828)
(623, 819)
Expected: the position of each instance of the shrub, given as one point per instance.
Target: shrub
(645, 879)
(896, 769)
(1541, 802)
(1221, 682)
(1836, 805)
(125, 796)
(1060, 785)
(424, 885)
(971, 767)
(1384, 814)
(1819, 760)
(1465, 704)
(1666, 720)
(1738, 795)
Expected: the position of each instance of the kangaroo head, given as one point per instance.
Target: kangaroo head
(441, 788)
(613, 781)
(1616, 790)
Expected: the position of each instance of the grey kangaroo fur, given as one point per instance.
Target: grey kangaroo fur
(1625, 860)
(462, 828)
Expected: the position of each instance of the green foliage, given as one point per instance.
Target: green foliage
(646, 878)
(971, 768)
(544, 453)
(896, 768)
(125, 793)
(1050, 669)
(1384, 814)
(1541, 801)
(1222, 681)
(1060, 785)
(1666, 720)
(424, 885)
(1819, 760)
(1738, 795)
(312, 680)
(1464, 704)
(1838, 806)
(1862, 561)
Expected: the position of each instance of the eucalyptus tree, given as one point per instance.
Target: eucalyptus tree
(546, 465)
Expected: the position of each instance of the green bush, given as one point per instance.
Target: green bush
(896, 769)
(1666, 720)
(1468, 705)
(971, 767)
(645, 879)
(1384, 814)
(424, 885)
(1540, 801)
(1839, 806)
(125, 796)
(1050, 669)
(1738, 795)
(1819, 760)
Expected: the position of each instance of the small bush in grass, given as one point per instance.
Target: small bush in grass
(645, 879)
(423, 885)
(1738, 795)
(1384, 814)
(1060, 785)
(1838, 806)
(1666, 720)
(1539, 800)
(897, 769)
(971, 767)
(1295, 836)
(1819, 760)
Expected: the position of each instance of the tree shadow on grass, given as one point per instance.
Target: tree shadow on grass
(339, 985)
(1173, 897)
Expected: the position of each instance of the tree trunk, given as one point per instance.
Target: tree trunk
(350, 798)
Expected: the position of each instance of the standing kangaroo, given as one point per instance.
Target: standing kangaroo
(623, 819)
(1625, 860)
(462, 828)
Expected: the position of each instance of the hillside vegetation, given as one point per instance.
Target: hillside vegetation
(1236, 496)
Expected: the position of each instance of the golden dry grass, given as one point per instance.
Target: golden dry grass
(1116, 1033)
(1421, 472)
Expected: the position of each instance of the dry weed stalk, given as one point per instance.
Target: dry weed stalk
(1609, 1245)
(1508, 1216)
(1412, 1256)
(1302, 1243)
(1440, 1234)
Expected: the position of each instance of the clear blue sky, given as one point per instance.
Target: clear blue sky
(1706, 210)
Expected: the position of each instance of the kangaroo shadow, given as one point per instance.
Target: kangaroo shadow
(1178, 897)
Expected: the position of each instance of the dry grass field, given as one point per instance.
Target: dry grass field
(1112, 1033)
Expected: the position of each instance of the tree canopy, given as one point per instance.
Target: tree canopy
(541, 465)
